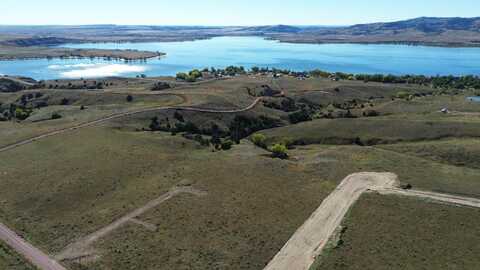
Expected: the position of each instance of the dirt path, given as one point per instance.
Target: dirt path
(83, 247)
(310, 239)
(447, 198)
(32, 254)
(120, 115)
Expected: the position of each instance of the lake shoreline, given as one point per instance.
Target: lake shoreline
(247, 51)
(11, 53)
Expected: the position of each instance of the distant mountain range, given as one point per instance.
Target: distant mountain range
(425, 31)
(423, 24)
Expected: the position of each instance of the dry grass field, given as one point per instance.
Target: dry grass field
(390, 232)
(244, 204)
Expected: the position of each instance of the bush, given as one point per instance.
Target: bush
(301, 116)
(227, 145)
(403, 95)
(22, 113)
(160, 86)
(182, 76)
(279, 151)
(259, 140)
(195, 74)
(56, 116)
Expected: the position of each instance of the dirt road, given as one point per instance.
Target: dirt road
(447, 198)
(120, 115)
(309, 240)
(32, 254)
(83, 247)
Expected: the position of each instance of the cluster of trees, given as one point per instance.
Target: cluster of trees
(94, 85)
(191, 76)
(278, 150)
(241, 127)
(14, 111)
(457, 82)
(192, 132)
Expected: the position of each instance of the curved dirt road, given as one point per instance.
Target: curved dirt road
(120, 115)
(307, 243)
(32, 254)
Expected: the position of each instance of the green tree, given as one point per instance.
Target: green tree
(259, 140)
(182, 76)
(279, 151)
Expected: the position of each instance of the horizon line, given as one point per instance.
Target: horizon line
(246, 25)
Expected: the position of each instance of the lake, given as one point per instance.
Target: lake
(255, 51)
(474, 99)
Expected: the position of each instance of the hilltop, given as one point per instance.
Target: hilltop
(424, 31)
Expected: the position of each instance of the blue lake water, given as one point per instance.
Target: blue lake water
(474, 99)
(254, 51)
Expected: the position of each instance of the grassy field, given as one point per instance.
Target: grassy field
(96, 104)
(390, 232)
(10, 260)
(458, 152)
(372, 131)
(336, 162)
(60, 189)
(101, 174)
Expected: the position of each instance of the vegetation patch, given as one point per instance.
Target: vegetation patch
(10, 260)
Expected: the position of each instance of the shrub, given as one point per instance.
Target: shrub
(259, 140)
(195, 74)
(56, 116)
(22, 113)
(227, 145)
(160, 86)
(182, 76)
(288, 142)
(301, 116)
(279, 151)
(403, 95)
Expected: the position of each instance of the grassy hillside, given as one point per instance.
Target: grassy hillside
(459, 152)
(336, 162)
(371, 131)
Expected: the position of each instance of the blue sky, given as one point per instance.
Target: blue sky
(224, 12)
